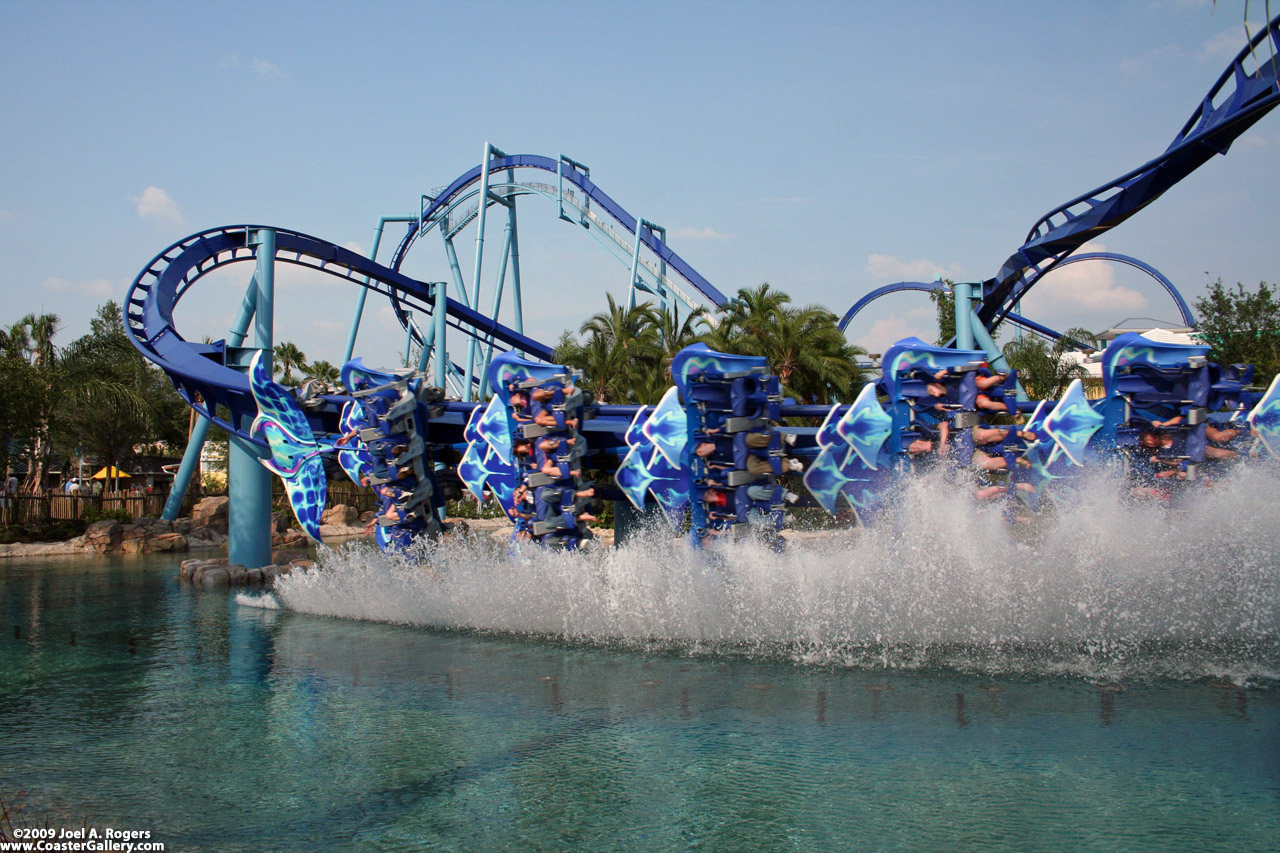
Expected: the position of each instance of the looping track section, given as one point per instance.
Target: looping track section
(200, 371)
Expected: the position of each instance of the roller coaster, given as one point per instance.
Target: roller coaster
(717, 454)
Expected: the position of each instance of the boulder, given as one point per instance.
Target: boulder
(169, 542)
(340, 514)
(188, 567)
(280, 521)
(205, 537)
(104, 536)
(215, 576)
(211, 512)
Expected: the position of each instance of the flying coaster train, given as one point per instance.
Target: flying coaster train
(724, 454)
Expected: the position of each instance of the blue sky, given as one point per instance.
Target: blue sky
(827, 148)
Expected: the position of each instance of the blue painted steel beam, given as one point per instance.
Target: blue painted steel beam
(199, 369)
(571, 174)
(489, 151)
(1241, 100)
(897, 287)
(1188, 318)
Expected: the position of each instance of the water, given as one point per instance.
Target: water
(1109, 682)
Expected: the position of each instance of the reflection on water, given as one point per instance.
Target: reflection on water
(131, 701)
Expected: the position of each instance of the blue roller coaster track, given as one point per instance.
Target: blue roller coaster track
(214, 378)
(1235, 102)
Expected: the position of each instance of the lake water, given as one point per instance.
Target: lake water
(1107, 686)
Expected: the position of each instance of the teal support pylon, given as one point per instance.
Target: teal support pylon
(441, 292)
(200, 433)
(963, 293)
(364, 291)
(190, 462)
(470, 366)
(249, 508)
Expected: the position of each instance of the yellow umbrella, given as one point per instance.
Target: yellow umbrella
(107, 473)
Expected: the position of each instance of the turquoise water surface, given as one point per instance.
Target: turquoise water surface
(134, 702)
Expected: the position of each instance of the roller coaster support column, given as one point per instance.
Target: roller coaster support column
(489, 152)
(636, 283)
(190, 461)
(497, 293)
(971, 333)
(249, 509)
(517, 300)
(454, 267)
(995, 355)
(195, 442)
(441, 293)
(364, 291)
(963, 293)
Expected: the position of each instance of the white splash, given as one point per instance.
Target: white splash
(265, 601)
(1103, 588)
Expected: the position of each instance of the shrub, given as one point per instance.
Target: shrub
(53, 530)
(94, 514)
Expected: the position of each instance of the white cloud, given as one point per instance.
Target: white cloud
(707, 233)
(264, 69)
(920, 322)
(257, 66)
(887, 268)
(158, 205)
(386, 317)
(100, 288)
(1224, 45)
(1083, 287)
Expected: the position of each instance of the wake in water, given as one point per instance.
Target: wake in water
(264, 601)
(1103, 588)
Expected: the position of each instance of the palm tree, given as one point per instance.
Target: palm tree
(620, 353)
(805, 347)
(322, 371)
(1043, 370)
(809, 354)
(288, 358)
(676, 334)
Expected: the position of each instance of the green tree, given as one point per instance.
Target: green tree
(31, 340)
(322, 371)
(109, 399)
(944, 301)
(288, 358)
(1242, 326)
(1043, 369)
(620, 350)
(804, 346)
(19, 403)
